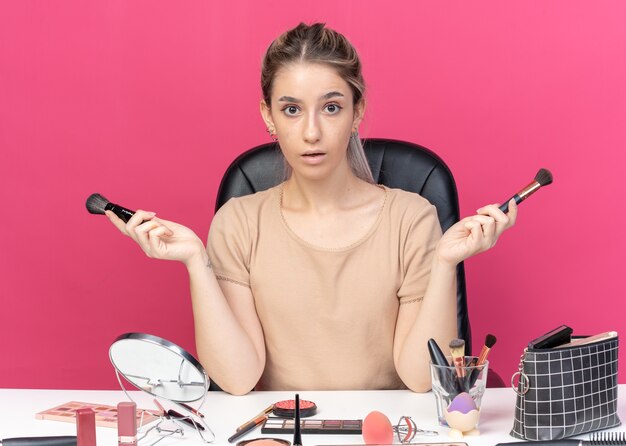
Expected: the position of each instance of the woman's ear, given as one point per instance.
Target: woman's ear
(266, 114)
(359, 112)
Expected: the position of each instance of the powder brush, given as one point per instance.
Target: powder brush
(457, 351)
(97, 204)
(543, 178)
(490, 341)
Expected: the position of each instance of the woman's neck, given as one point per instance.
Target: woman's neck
(321, 196)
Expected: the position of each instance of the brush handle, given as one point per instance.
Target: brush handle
(120, 211)
(184, 419)
(505, 206)
(40, 441)
(473, 377)
(252, 424)
(561, 442)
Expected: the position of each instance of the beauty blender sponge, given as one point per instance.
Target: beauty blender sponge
(377, 429)
(463, 403)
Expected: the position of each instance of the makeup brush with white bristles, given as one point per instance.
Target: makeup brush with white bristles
(97, 204)
(543, 178)
(457, 351)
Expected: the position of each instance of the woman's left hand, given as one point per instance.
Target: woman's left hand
(475, 234)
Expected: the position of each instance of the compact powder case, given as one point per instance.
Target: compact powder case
(287, 409)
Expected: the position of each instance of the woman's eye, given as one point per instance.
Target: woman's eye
(332, 108)
(291, 110)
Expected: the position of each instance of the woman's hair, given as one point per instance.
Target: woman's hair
(318, 44)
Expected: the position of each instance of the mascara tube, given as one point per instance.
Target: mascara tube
(447, 375)
(436, 355)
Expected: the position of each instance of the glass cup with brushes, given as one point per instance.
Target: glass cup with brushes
(458, 383)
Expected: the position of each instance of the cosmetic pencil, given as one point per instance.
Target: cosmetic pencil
(193, 410)
(69, 440)
(265, 411)
(184, 418)
(162, 409)
(248, 427)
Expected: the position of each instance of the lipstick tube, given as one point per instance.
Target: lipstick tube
(127, 424)
(85, 427)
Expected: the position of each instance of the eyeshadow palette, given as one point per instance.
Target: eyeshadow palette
(106, 416)
(311, 426)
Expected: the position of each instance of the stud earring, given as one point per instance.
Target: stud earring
(272, 133)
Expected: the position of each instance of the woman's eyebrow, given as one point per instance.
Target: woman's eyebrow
(325, 97)
(332, 94)
(288, 99)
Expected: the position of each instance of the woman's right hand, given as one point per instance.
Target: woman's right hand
(161, 239)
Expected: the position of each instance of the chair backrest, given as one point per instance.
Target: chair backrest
(396, 164)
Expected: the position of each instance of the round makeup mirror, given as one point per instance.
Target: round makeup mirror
(159, 367)
(164, 370)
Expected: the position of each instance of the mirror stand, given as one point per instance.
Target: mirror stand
(163, 370)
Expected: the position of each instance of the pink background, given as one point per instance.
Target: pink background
(147, 102)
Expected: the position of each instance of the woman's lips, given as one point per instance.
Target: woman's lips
(313, 158)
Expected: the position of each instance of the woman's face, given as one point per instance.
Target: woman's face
(313, 116)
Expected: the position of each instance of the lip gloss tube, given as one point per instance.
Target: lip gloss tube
(127, 424)
(85, 427)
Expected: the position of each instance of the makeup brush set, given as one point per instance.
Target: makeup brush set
(458, 373)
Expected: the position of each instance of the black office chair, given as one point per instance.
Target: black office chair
(396, 164)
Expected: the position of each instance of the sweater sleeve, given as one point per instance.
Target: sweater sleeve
(421, 238)
(229, 244)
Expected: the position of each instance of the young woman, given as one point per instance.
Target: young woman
(326, 281)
